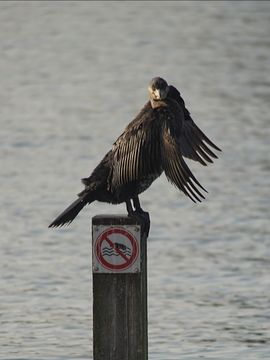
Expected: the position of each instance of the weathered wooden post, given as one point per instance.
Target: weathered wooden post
(119, 287)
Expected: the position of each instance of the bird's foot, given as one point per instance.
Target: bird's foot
(143, 218)
(138, 213)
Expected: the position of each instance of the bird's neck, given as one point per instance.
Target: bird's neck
(157, 103)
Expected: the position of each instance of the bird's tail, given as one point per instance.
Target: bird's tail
(69, 214)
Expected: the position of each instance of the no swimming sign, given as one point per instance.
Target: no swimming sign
(116, 249)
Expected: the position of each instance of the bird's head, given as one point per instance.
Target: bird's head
(158, 89)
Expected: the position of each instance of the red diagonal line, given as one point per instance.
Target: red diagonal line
(112, 245)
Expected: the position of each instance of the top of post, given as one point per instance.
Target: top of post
(117, 219)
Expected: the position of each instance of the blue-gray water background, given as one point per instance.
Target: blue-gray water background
(73, 74)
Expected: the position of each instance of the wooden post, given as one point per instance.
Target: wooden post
(119, 287)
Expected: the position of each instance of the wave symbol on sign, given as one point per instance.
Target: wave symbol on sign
(108, 251)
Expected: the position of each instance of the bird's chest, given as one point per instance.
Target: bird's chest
(145, 182)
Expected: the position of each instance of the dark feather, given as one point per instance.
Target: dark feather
(177, 170)
(136, 153)
(192, 140)
(69, 214)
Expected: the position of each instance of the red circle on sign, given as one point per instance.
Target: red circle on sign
(128, 261)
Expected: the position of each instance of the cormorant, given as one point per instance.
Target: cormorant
(155, 141)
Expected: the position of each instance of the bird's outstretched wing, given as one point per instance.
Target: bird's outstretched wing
(175, 167)
(136, 153)
(194, 144)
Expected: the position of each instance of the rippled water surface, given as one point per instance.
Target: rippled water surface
(73, 74)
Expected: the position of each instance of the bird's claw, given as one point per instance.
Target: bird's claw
(143, 218)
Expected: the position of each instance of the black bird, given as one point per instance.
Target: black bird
(155, 141)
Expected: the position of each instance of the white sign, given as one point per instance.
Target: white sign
(116, 249)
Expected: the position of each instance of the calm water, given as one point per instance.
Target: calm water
(72, 76)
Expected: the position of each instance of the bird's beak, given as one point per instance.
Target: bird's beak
(160, 94)
(157, 94)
